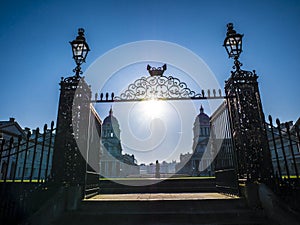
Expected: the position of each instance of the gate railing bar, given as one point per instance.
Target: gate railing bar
(283, 149)
(2, 147)
(11, 141)
(42, 152)
(17, 157)
(37, 131)
(49, 149)
(25, 157)
(267, 155)
(186, 95)
(159, 99)
(292, 149)
(298, 136)
(275, 147)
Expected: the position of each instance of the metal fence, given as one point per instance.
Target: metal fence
(25, 164)
(284, 145)
(222, 146)
(27, 158)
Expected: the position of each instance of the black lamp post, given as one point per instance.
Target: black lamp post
(80, 50)
(233, 45)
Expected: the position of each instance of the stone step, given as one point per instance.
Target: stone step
(122, 186)
(162, 206)
(245, 218)
(163, 209)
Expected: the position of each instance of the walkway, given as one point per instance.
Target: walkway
(159, 196)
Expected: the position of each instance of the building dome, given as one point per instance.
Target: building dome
(199, 162)
(111, 123)
(110, 120)
(110, 126)
(202, 119)
(112, 162)
(201, 128)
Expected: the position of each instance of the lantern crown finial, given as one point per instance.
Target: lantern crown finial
(230, 29)
(80, 34)
(80, 31)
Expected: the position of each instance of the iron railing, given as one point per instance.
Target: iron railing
(284, 145)
(91, 184)
(25, 164)
(225, 165)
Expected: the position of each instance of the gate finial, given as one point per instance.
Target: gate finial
(156, 71)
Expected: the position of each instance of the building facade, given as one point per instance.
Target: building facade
(37, 163)
(112, 162)
(9, 129)
(285, 144)
(199, 162)
(30, 154)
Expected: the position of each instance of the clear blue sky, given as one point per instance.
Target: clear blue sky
(35, 50)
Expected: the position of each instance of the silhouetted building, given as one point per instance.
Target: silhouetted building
(198, 163)
(112, 162)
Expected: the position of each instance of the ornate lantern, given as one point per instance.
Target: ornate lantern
(80, 50)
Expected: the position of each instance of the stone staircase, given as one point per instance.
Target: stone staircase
(163, 211)
(171, 202)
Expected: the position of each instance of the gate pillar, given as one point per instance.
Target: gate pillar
(70, 146)
(246, 116)
(248, 127)
(71, 139)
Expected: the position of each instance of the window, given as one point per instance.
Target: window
(27, 172)
(111, 134)
(19, 172)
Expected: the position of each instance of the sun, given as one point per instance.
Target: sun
(152, 108)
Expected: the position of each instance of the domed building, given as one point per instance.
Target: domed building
(198, 163)
(112, 162)
(111, 136)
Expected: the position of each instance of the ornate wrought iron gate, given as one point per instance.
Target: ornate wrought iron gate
(240, 120)
(245, 138)
(156, 86)
(225, 162)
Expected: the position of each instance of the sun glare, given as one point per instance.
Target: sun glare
(152, 109)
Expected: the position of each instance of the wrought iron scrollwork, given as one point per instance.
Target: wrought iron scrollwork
(242, 74)
(157, 87)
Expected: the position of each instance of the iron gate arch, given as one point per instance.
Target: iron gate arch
(243, 107)
(169, 88)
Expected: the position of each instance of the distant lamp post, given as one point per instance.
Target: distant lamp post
(233, 45)
(80, 50)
